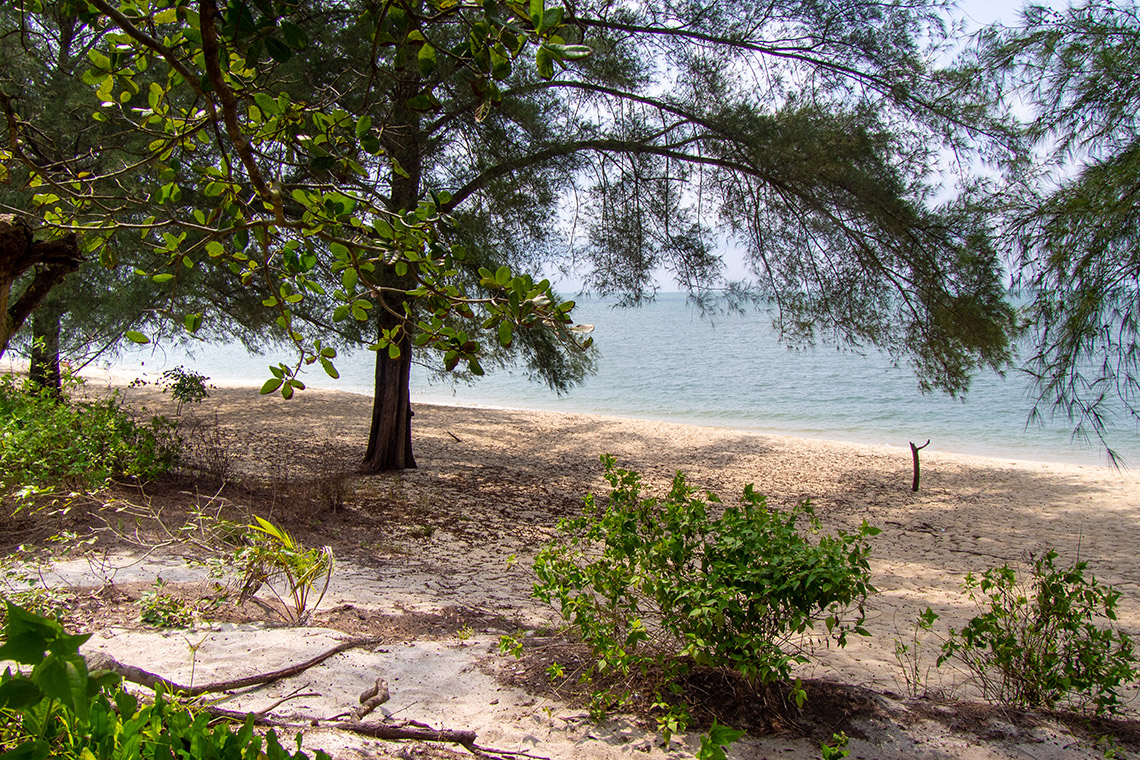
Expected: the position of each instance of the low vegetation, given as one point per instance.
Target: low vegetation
(59, 709)
(49, 444)
(1044, 640)
(660, 586)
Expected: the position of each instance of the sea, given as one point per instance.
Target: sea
(667, 360)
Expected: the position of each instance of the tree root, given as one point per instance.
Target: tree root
(104, 661)
(370, 699)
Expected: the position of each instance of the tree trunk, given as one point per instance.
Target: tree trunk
(390, 439)
(44, 369)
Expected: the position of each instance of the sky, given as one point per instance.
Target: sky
(977, 13)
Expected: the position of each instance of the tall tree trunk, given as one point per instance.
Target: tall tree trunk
(390, 438)
(44, 369)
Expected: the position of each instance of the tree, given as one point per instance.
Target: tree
(346, 134)
(786, 126)
(1075, 213)
(42, 263)
(295, 210)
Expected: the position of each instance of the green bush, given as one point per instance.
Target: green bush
(1039, 642)
(59, 709)
(185, 386)
(47, 443)
(662, 579)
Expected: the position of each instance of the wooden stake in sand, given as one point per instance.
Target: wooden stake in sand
(914, 455)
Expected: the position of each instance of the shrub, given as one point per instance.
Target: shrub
(46, 443)
(664, 579)
(59, 709)
(185, 386)
(1039, 643)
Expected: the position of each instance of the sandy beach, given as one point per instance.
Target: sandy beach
(461, 531)
(494, 482)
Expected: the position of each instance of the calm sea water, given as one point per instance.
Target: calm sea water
(665, 361)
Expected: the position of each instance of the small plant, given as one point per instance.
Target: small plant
(909, 654)
(1039, 642)
(1110, 750)
(162, 610)
(660, 586)
(836, 749)
(716, 740)
(674, 719)
(184, 386)
(274, 559)
(510, 645)
(421, 531)
(27, 589)
(464, 633)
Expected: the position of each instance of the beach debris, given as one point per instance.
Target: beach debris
(914, 455)
(372, 697)
(104, 661)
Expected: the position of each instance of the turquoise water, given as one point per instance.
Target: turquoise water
(664, 361)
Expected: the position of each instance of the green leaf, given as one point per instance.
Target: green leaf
(348, 278)
(569, 52)
(544, 60)
(393, 351)
(427, 60)
(64, 677)
(278, 50)
(18, 693)
(363, 126)
(329, 369)
(271, 385)
(552, 17)
(100, 60)
(165, 277)
(137, 337)
(425, 101)
(506, 334)
(192, 322)
(294, 35)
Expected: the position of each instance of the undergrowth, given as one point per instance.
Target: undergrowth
(48, 444)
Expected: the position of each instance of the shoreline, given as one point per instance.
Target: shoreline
(1079, 458)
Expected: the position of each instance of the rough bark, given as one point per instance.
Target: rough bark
(48, 261)
(44, 369)
(390, 438)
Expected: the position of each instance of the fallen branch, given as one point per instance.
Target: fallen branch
(104, 661)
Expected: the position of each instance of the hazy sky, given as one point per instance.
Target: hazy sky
(977, 13)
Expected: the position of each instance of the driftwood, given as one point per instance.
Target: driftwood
(914, 455)
(386, 731)
(103, 661)
(370, 699)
